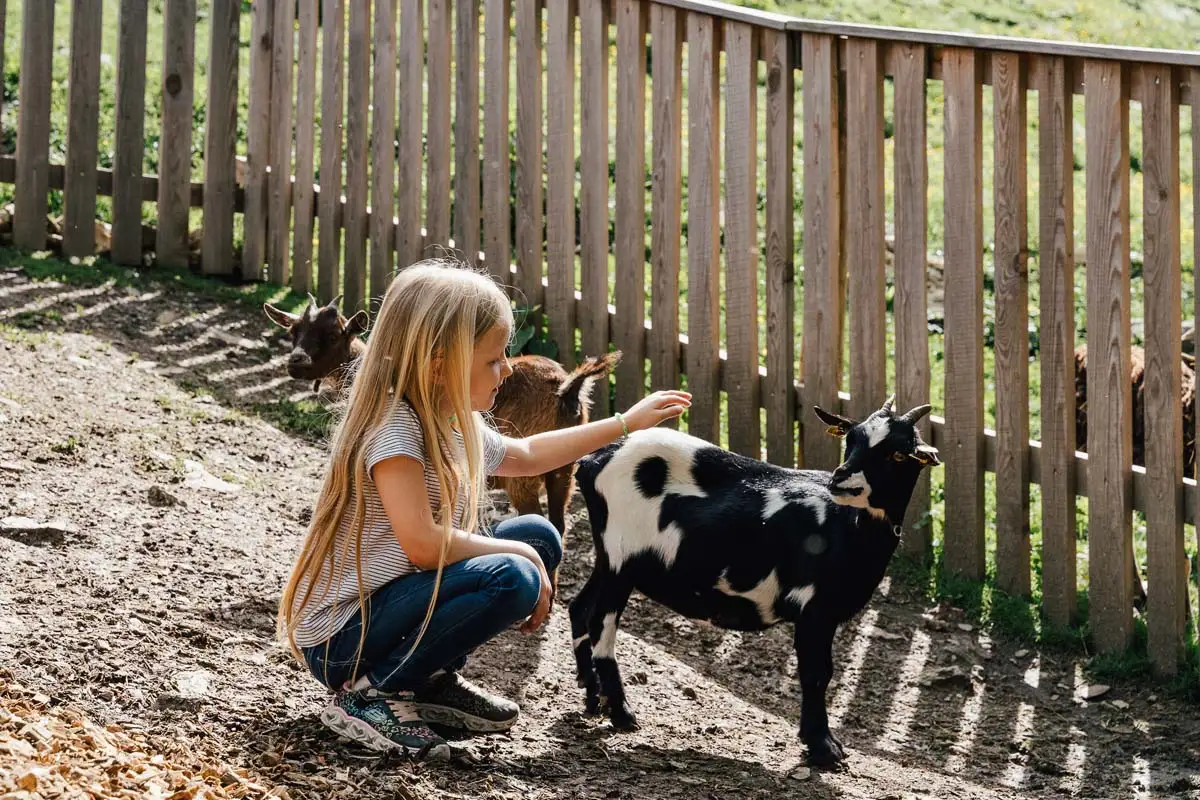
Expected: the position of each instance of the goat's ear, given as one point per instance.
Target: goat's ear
(356, 324)
(838, 426)
(280, 317)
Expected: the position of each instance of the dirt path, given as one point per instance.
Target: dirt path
(168, 519)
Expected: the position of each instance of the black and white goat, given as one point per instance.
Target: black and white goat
(718, 536)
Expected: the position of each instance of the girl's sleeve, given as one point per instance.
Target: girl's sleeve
(400, 435)
(493, 448)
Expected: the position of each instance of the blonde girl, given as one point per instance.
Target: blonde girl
(395, 585)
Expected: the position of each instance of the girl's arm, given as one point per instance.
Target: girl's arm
(542, 452)
(401, 484)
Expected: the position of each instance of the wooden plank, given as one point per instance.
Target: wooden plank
(220, 138)
(3, 28)
(497, 179)
(306, 101)
(963, 455)
(329, 246)
(1194, 80)
(560, 179)
(128, 155)
(1056, 271)
(950, 40)
(912, 336)
(383, 144)
(175, 142)
(437, 141)
(1166, 560)
(780, 249)
(258, 142)
(529, 150)
(593, 184)
(630, 244)
(466, 130)
(864, 210)
(821, 346)
(1012, 325)
(1110, 442)
(83, 120)
(412, 161)
(279, 216)
(33, 126)
(704, 245)
(358, 96)
(741, 236)
(666, 201)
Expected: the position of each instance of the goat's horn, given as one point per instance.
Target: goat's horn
(334, 302)
(915, 414)
(887, 406)
(312, 301)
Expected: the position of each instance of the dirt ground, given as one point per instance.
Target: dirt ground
(160, 522)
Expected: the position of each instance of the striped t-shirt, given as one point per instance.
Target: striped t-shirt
(383, 559)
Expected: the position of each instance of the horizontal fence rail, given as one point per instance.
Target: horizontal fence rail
(779, 212)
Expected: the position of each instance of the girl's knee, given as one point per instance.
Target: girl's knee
(519, 584)
(540, 534)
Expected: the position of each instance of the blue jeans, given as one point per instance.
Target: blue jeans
(478, 599)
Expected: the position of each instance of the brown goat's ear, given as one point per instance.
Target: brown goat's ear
(280, 317)
(838, 425)
(356, 324)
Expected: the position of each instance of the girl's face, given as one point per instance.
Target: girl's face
(489, 368)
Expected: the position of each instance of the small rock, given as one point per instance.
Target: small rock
(945, 676)
(31, 532)
(11, 466)
(1021, 653)
(800, 774)
(193, 684)
(197, 477)
(689, 693)
(1053, 697)
(41, 699)
(160, 497)
(1153, 698)
(1121, 704)
(966, 626)
(1093, 691)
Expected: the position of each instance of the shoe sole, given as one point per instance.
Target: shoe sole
(456, 718)
(356, 730)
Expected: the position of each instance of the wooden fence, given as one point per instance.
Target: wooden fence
(376, 132)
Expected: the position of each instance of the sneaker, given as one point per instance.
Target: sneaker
(450, 699)
(384, 722)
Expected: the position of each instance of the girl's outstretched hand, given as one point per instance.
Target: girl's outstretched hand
(655, 408)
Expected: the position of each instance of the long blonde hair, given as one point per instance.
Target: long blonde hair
(421, 349)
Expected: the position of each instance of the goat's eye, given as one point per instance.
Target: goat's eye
(898, 456)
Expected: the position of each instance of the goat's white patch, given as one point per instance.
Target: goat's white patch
(632, 526)
(813, 497)
(802, 595)
(877, 429)
(861, 500)
(578, 641)
(775, 501)
(764, 595)
(606, 644)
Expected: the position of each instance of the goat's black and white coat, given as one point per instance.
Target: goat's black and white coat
(743, 544)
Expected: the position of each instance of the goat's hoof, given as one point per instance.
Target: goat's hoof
(622, 718)
(591, 705)
(825, 751)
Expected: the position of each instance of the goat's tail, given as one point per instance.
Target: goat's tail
(578, 385)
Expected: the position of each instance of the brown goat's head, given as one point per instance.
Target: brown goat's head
(322, 339)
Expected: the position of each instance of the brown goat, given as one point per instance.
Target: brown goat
(1137, 379)
(539, 396)
(324, 343)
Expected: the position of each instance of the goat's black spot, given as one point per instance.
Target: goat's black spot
(651, 476)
